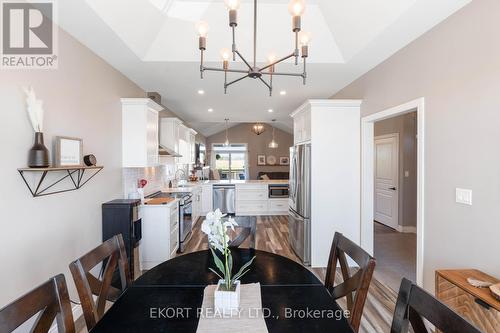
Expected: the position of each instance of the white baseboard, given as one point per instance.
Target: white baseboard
(407, 229)
(77, 312)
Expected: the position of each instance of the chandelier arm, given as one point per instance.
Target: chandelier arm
(244, 60)
(234, 44)
(277, 61)
(267, 84)
(234, 81)
(255, 33)
(215, 69)
(284, 74)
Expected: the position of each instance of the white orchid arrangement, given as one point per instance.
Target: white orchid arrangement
(216, 228)
(34, 108)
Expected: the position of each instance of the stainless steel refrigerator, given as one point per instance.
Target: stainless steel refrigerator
(299, 217)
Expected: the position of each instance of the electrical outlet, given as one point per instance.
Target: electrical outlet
(463, 196)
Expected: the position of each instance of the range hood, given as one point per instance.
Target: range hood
(164, 151)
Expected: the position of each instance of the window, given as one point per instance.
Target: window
(231, 161)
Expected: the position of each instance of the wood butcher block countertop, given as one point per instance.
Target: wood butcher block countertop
(159, 201)
(459, 278)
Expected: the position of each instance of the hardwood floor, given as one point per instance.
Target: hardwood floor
(272, 236)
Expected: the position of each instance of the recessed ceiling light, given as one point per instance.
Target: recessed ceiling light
(270, 110)
(201, 92)
(210, 110)
(283, 92)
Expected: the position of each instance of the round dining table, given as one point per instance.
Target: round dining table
(294, 298)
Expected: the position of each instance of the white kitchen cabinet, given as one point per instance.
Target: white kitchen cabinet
(251, 199)
(160, 234)
(206, 199)
(139, 132)
(197, 204)
(333, 127)
(301, 125)
(169, 133)
(277, 206)
(192, 142)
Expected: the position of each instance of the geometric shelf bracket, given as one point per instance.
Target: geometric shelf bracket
(78, 176)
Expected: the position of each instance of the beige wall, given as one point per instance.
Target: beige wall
(40, 236)
(406, 127)
(456, 67)
(257, 145)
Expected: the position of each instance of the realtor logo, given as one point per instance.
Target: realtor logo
(28, 35)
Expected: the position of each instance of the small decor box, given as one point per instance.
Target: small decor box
(227, 301)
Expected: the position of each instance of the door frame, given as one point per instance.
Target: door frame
(381, 137)
(367, 176)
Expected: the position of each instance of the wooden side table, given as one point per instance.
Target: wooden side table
(475, 304)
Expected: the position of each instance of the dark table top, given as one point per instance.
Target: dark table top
(294, 300)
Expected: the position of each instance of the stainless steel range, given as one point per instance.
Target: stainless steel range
(185, 215)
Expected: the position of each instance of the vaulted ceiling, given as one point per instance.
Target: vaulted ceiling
(154, 43)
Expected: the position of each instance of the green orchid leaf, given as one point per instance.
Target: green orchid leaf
(230, 262)
(239, 277)
(213, 270)
(242, 269)
(218, 262)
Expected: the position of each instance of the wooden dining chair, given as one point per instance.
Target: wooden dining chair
(247, 227)
(353, 287)
(50, 301)
(111, 254)
(414, 305)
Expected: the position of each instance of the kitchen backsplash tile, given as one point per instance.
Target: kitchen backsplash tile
(157, 177)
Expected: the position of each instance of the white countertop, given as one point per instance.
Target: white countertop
(190, 185)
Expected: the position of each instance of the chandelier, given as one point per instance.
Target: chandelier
(296, 9)
(258, 128)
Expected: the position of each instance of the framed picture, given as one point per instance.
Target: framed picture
(68, 151)
(261, 159)
(284, 160)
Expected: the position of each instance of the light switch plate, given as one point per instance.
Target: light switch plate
(407, 173)
(463, 196)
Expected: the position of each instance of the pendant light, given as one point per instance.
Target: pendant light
(273, 144)
(226, 143)
(258, 128)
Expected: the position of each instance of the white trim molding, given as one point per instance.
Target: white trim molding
(407, 229)
(367, 176)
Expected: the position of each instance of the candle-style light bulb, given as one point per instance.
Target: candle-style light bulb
(304, 38)
(202, 28)
(296, 7)
(271, 58)
(232, 4)
(225, 54)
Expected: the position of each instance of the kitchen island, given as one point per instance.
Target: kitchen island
(251, 197)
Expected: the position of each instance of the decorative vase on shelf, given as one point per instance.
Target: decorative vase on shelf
(38, 156)
(226, 301)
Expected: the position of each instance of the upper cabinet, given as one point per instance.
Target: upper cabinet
(179, 138)
(301, 125)
(170, 133)
(139, 132)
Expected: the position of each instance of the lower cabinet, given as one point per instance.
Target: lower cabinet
(196, 203)
(160, 234)
(206, 199)
(252, 200)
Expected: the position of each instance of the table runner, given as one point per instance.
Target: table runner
(249, 318)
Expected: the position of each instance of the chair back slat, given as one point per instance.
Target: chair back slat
(354, 287)
(414, 305)
(111, 254)
(50, 300)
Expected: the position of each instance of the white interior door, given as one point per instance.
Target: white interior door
(386, 179)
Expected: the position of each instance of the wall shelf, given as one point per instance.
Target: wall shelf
(76, 174)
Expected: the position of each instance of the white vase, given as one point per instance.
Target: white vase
(227, 301)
